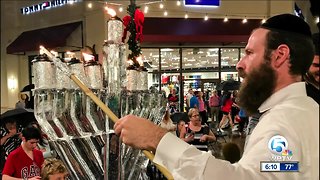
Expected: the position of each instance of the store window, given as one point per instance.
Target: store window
(202, 69)
(170, 76)
(200, 58)
(151, 60)
(229, 60)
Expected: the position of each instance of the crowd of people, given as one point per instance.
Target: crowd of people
(277, 56)
(26, 160)
(25, 152)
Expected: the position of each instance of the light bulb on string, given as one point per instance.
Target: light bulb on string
(263, 20)
(146, 9)
(244, 20)
(225, 19)
(178, 3)
(186, 16)
(161, 6)
(120, 9)
(90, 5)
(206, 17)
(165, 13)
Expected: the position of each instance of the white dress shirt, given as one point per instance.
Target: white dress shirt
(289, 113)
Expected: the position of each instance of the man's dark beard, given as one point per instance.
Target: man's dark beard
(258, 86)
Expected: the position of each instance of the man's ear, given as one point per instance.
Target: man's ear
(282, 54)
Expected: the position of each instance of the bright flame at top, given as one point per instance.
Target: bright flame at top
(70, 54)
(139, 59)
(110, 11)
(87, 57)
(41, 50)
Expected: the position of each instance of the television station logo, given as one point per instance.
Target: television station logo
(279, 147)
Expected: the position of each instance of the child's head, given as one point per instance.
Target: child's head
(231, 152)
(53, 169)
(181, 124)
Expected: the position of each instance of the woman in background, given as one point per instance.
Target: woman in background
(196, 134)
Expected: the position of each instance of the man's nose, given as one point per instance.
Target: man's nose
(240, 64)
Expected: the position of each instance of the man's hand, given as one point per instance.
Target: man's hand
(139, 132)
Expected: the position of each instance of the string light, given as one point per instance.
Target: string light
(244, 20)
(317, 20)
(225, 19)
(89, 5)
(186, 14)
(206, 17)
(146, 9)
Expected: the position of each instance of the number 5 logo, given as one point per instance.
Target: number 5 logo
(278, 144)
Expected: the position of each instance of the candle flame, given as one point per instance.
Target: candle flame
(41, 50)
(110, 11)
(139, 59)
(87, 57)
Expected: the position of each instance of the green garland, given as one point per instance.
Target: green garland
(134, 46)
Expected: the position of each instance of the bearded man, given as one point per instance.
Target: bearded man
(277, 55)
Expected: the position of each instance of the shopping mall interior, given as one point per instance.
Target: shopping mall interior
(181, 45)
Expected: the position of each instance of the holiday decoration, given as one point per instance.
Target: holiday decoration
(134, 24)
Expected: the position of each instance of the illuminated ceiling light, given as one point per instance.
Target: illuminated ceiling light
(263, 20)
(206, 17)
(165, 13)
(178, 3)
(186, 16)
(89, 5)
(146, 9)
(244, 20)
(120, 9)
(317, 20)
(225, 19)
(161, 6)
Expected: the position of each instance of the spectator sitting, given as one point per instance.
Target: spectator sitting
(53, 169)
(25, 162)
(10, 138)
(195, 133)
(181, 124)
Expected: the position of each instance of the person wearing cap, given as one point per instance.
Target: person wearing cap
(277, 55)
(312, 77)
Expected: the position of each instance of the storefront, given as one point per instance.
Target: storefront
(199, 69)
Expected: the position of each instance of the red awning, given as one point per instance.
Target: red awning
(51, 37)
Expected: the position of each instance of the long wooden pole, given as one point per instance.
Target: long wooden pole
(103, 107)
